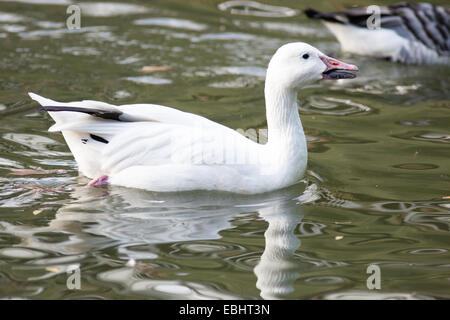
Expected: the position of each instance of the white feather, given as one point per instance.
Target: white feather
(363, 41)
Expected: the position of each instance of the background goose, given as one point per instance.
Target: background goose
(159, 148)
(409, 32)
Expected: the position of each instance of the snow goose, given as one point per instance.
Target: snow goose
(408, 32)
(162, 149)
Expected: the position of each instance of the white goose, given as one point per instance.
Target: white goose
(162, 149)
(408, 32)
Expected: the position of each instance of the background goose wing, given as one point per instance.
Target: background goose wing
(421, 22)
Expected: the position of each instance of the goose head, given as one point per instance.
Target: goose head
(298, 64)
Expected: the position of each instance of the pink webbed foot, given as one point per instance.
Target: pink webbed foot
(99, 182)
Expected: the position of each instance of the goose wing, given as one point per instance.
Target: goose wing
(119, 137)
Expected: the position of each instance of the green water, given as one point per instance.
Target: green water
(376, 192)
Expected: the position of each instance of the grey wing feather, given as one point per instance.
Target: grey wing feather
(420, 22)
(425, 23)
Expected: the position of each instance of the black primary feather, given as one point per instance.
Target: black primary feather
(109, 115)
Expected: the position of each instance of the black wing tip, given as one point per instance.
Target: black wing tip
(327, 16)
(50, 108)
(109, 115)
(312, 13)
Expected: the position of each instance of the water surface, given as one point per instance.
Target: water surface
(377, 189)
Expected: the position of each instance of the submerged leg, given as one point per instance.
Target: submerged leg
(99, 182)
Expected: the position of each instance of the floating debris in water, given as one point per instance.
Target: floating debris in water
(53, 269)
(150, 69)
(343, 222)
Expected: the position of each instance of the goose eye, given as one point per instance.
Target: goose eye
(305, 56)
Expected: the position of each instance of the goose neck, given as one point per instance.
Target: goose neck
(283, 120)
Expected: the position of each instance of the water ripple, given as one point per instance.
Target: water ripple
(425, 136)
(333, 106)
(164, 289)
(172, 23)
(203, 249)
(110, 9)
(253, 8)
(149, 80)
(371, 295)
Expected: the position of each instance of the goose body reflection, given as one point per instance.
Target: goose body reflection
(127, 219)
(277, 271)
(165, 235)
(131, 216)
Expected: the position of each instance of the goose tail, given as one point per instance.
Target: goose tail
(84, 134)
(330, 16)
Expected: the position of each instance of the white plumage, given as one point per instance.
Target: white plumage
(159, 148)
